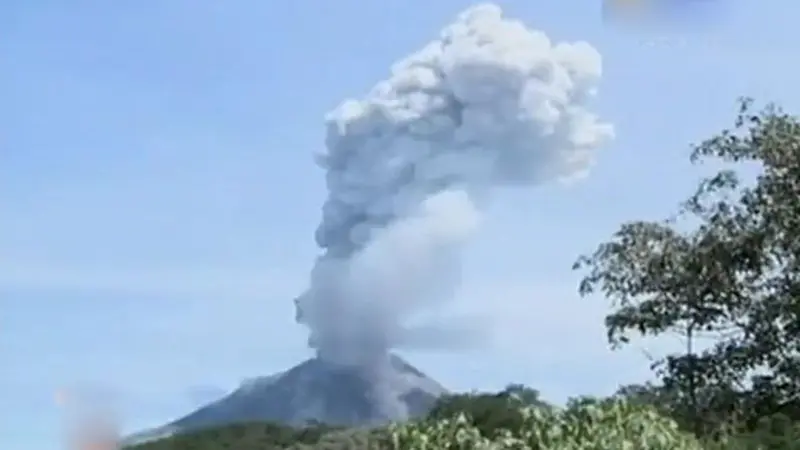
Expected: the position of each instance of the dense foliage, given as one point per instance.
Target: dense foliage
(723, 273)
(586, 423)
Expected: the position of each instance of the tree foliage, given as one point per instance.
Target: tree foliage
(726, 268)
(584, 424)
(487, 411)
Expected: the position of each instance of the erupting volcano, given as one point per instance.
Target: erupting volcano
(409, 167)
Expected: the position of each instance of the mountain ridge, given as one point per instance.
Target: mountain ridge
(316, 391)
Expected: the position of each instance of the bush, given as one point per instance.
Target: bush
(584, 425)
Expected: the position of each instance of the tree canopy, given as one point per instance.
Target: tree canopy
(726, 267)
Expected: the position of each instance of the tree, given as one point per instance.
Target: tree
(489, 412)
(584, 424)
(727, 268)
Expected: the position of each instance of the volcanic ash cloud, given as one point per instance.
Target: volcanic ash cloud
(490, 103)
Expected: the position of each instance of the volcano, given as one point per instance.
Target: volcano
(316, 391)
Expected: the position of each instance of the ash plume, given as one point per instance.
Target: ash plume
(408, 167)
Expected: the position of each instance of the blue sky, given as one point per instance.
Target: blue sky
(158, 196)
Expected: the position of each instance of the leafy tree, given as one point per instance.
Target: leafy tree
(725, 268)
(488, 412)
(583, 425)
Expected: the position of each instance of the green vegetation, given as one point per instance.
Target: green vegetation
(723, 274)
(245, 436)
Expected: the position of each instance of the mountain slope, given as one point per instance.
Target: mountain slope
(317, 391)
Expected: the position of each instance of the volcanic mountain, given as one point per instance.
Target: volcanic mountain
(316, 391)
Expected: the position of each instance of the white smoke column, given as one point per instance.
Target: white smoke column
(490, 103)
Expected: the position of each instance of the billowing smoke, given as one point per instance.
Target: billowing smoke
(408, 167)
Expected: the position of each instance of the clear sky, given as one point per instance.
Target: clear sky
(158, 196)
